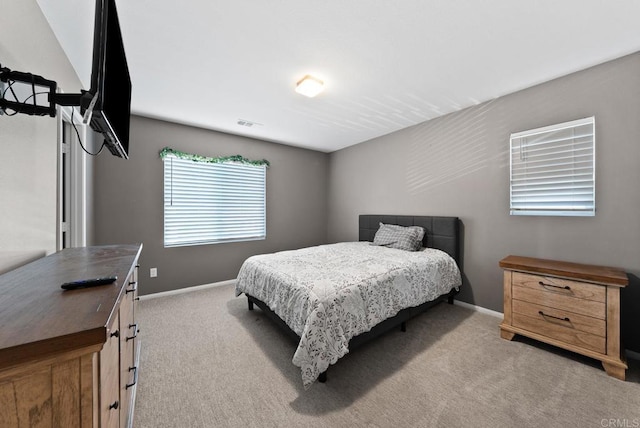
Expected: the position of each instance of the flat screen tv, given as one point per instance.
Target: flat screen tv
(109, 109)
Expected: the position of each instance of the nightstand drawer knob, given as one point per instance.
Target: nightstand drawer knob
(551, 316)
(566, 287)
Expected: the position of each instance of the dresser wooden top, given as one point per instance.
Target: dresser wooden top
(39, 319)
(599, 274)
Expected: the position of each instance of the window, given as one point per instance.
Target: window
(553, 170)
(209, 201)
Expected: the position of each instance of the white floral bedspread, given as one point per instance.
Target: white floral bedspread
(331, 293)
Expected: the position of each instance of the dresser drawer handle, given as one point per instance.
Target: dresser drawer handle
(132, 289)
(135, 332)
(566, 287)
(551, 316)
(135, 377)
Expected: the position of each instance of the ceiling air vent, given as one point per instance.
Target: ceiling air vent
(247, 123)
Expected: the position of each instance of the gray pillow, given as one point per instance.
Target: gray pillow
(407, 238)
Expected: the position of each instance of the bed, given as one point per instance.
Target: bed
(332, 298)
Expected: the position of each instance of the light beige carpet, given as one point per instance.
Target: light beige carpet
(206, 361)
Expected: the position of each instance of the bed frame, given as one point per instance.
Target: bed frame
(442, 233)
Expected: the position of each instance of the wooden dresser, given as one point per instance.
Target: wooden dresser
(70, 358)
(570, 305)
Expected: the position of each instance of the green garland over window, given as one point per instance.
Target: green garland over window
(222, 159)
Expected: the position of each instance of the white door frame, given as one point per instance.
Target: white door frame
(76, 216)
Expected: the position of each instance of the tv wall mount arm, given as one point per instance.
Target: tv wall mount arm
(83, 99)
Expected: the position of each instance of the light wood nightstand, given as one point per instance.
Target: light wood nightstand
(569, 305)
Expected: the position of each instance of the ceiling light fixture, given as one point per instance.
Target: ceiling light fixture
(309, 86)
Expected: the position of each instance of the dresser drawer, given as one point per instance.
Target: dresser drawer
(562, 301)
(564, 287)
(562, 318)
(563, 294)
(566, 334)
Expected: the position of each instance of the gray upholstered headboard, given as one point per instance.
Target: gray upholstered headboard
(442, 233)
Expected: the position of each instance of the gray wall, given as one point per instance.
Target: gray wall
(458, 165)
(129, 202)
(29, 144)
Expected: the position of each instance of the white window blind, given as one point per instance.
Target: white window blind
(208, 203)
(553, 170)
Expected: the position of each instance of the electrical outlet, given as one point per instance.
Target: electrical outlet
(153, 272)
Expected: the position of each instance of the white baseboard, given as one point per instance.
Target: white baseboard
(187, 289)
(478, 308)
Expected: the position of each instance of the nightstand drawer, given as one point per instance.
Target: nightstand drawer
(561, 318)
(564, 287)
(554, 330)
(560, 301)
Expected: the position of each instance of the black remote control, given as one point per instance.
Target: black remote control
(85, 283)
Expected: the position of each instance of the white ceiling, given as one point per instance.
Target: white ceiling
(386, 64)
